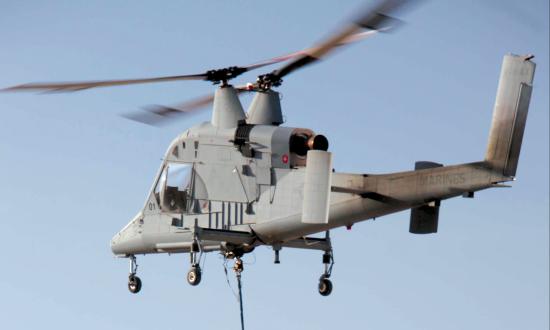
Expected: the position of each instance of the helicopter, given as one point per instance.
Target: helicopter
(244, 180)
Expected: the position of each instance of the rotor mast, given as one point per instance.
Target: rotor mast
(265, 109)
(227, 110)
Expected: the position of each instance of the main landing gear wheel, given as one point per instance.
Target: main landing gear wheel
(194, 275)
(325, 286)
(134, 284)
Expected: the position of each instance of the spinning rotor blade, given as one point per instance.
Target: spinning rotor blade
(156, 115)
(78, 86)
(212, 75)
(374, 19)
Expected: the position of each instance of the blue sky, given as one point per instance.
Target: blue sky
(74, 172)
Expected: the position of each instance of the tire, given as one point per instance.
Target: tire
(325, 287)
(134, 284)
(194, 276)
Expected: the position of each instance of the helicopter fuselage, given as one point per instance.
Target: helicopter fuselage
(241, 181)
(263, 193)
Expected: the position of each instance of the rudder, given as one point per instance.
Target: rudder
(510, 113)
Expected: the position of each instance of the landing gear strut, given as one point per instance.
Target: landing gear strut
(325, 285)
(134, 282)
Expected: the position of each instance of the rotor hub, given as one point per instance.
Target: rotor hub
(268, 80)
(223, 75)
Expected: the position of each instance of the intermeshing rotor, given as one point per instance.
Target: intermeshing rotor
(370, 21)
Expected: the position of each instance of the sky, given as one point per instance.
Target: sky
(73, 172)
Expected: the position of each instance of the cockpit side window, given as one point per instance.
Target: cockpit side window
(173, 187)
(160, 183)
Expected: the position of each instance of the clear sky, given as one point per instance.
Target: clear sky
(74, 172)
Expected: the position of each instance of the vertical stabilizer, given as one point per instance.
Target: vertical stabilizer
(510, 113)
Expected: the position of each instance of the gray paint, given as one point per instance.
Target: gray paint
(317, 183)
(510, 113)
(227, 109)
(275, 204)
(265, 109)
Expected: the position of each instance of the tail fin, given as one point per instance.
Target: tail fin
(510, 114)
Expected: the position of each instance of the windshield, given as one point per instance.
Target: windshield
(172, 187)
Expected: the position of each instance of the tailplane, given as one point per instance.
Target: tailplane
(510, 114)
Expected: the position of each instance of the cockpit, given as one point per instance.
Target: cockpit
(173, 188)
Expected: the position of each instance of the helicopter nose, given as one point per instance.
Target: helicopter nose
(123, 246)
(116, 243)
(128, 240)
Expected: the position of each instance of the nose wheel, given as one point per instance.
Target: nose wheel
(134, 282)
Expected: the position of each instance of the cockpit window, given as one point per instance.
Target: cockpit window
(179, 175)
(160, 184)
(172, 189)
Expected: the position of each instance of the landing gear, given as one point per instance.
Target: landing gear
(134, 282)
(325, 285)
(194, 274)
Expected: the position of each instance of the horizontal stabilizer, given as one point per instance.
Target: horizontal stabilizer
(423, 165)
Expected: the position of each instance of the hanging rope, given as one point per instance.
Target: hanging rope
(238, 268)
(227, 280)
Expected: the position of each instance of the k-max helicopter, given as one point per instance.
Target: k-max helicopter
(243, 180)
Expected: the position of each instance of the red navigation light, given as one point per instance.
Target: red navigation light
(285, 158)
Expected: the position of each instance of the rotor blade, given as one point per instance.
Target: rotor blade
(77, 86)
(156, 115)
(375, 19)
(349, 39)
(212, 75)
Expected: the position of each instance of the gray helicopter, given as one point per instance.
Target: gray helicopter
(243, 180)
